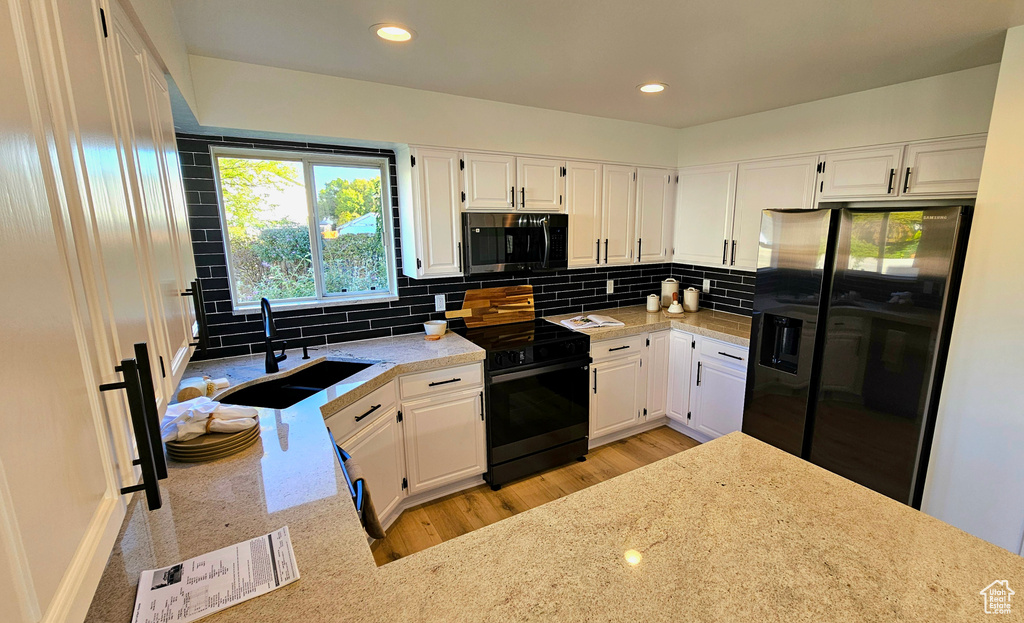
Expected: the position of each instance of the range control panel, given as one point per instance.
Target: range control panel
(538, 353)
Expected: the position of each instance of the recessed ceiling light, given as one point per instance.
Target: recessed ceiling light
(652, 87)
(392, 32)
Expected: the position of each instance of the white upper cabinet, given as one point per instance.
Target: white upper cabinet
(583, 203)
(429, 204)
(619, 201)
(655, 202)
(490, 182)
(860, 173)
(541, 184)
(950, 167)
(705, 201)
(783, 183)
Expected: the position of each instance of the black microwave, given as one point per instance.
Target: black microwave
(515, 242)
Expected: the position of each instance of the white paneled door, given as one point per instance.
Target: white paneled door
(618, 196)
(654, 208)
(436, 199)
(703, 212)
(490, 182)
(860, 173)
(583, 203)
(541, 184)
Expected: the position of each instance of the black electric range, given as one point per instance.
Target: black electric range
(537, 397)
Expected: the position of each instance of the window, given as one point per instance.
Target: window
(273, 204)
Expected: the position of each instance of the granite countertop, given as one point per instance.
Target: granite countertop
(708, 323)
(732, 530)
(390, 356)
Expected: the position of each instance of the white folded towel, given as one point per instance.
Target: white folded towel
(192, 418)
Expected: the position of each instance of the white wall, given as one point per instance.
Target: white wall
(945, 105)
(160, 27)
(267, 99)
(976, 474)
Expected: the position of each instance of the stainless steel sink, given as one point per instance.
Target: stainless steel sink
(284, 392)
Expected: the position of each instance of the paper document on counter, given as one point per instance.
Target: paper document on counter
(591, 321)
(212, 582)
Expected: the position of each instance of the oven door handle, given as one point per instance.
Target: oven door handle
(522, 374)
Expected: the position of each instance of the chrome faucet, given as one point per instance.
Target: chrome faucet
(270, 332)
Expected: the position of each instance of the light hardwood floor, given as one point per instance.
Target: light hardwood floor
(428, 524)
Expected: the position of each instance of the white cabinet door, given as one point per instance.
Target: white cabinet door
(616, 395)
(378, 448)
(717, 404)
(541, 185)
(444, 439)
(438, 226)
(657, 364)
(490, 182)
(681, 349)
(619, 200)
(943, 167)
(860, 173)
(583, 203)
(783, 183)
(654, 204)
(703, 212)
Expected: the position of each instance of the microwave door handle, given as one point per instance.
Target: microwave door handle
(547, 241)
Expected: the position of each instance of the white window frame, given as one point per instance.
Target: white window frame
(309, 160)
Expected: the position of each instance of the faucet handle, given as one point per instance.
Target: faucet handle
(305, 351)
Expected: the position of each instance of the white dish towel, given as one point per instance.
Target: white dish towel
(192, 418)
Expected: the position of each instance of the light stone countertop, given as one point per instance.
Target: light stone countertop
(723, 326)
(391, 357)
(734, 530)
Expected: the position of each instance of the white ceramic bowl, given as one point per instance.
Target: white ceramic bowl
(435, 327)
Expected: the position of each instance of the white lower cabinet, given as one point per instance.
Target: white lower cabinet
(658, 368)
(680, 357)
(445, 439)
(716, 401)
(616, 395)
(380, 452)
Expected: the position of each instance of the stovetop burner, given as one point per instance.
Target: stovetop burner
(526, 343)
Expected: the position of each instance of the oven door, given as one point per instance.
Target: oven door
(532, 410)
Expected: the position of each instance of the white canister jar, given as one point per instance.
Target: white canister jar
(691, 298)
(653, 303)
(668, 288)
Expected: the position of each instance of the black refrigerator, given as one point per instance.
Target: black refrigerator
(853, 307)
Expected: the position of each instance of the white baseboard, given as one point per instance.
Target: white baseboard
(692, 433)
(74, 594)
(628, 432)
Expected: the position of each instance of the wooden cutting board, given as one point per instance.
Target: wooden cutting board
(491, 306)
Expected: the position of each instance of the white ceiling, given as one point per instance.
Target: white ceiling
(720, 58)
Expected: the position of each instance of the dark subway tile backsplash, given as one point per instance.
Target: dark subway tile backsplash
(562, 292)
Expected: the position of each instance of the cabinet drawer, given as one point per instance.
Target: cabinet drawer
(619, 347)
(724, 352)
(446, 380)
(361, 413)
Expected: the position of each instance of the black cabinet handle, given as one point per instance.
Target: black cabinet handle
(605, 250)
(149, 406)
(725, 251)
(136, 407)
(906, 181)
(698, 374)
(595, 380)
(598, 250)
(513, 191)
(639, 249)
(436, 383)
(522, 197)
(199, 302)
(732, 259)
(363, 416)
(730, 356)
(459, 252)
(892, 174)
(612, 350)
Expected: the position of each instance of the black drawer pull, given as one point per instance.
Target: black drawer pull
(730, 356)
(363, 416)
(436, 383)
(612, 350)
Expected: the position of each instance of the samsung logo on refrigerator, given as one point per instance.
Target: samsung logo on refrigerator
(935, 218)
